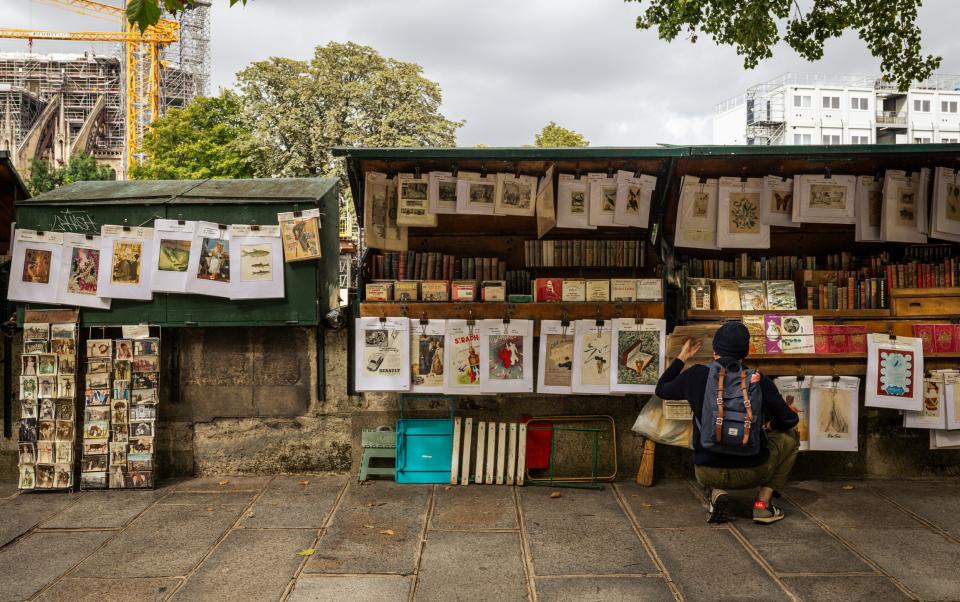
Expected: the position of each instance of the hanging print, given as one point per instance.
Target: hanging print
(591, 352)
(933, 415)
(739, 225)
(35, 266)
(81, 267)
(894, 370)
(506, 356)
(573, 208)
(795, 390)
(638, 352)
(634, 193)
(170, 260)
(426, 355)
(696, 225)
(123, 250)
(555, 368)
(256, 269)
(462, 365)
(833, 413)
(301, 234)
(382, 349)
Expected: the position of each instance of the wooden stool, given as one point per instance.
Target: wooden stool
(380, 442)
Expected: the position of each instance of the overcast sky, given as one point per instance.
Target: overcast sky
(508, 67)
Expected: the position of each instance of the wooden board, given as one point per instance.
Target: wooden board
(501, 452)
(712, 314)
(455, 456)
(522, 455)
(512, 454)
(491, 451)
(481, 447)
(467, 444)
(51, 316)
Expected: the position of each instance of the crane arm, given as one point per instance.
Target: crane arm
(158, 37)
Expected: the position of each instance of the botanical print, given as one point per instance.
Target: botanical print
(84, 269)
(381, 356)
(828, 196)
(506, 357)
(595, 366)
(701, 204)
(906, 208)
(214, 260)
(426, 360)
(301, 237)
(896, 373)
(256, 263)
(744, 213)
(953, 202)
(36, 266)
(174, 255)
(781, 202)
(578, 202)
(833, 418)
(558, 369)
(638, 360)
(875, 208)
(126, 262)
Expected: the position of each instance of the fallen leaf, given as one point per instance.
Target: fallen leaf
(555, 494)
(209, 508)
(368, 526)
(251, 514)
(222, 483)
(645, 505)
(307, 552)
(448, 488)
(387, 532)
(304, 482)
(848, 488)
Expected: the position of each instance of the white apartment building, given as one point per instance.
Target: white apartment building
(812, 108)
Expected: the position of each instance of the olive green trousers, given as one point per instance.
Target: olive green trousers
(773, 473)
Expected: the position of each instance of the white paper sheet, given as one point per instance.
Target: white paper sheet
(638, 355)
(413, 205)
(462, 364)
(603, 199)
(952, 406)
(945, 208)
(633, 199)
(869, 209)
(35, 266)
(738, 215)
(592, 353)
(506, 356)
(442, 192)
(382, 354)
(824, 200)
(945, 439)
(696, 226)
(904, 213)
(546, 203)
(796, 392)
(209, 270)
(170, 259)
(380, 229)
(933, 414)
(256, 262)
(776, 202)
(573, 203)
(427, 351)
(555, 366)
(475, 193)
(834, 419)
(80, 267)
(124, 271)
(515, 195)
(894, 372)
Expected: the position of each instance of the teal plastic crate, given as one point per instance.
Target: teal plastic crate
(424, 449)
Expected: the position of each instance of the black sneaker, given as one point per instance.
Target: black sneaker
(718, 506)
(766, 513)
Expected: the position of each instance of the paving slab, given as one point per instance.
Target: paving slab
(472, 508)
(74, 589)
(668, 504)
(934, 501)
(30, 564)
(603, 589)
(103, 510)
(581, 532)
(471, 566)
(796, 544)
(249, 565)
(7, 489)
(164, 541)
(27, 510)
(202, 498)
(848, 589)
(225, 483)
(354, 542)
(922, 560)
(857, 508)
(709, 563)
(356, 588)
(288, 503)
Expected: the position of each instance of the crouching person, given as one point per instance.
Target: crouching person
(744, 433)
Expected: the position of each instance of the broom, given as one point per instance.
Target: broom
(645, 474)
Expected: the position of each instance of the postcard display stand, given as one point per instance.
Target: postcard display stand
(48, 394)
(122, 382)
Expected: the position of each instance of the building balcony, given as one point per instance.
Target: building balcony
(891, 118)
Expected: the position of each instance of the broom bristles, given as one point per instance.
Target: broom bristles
(645, 474)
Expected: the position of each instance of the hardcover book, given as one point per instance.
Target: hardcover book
(548, 290)
(598, 290)
(574, 289)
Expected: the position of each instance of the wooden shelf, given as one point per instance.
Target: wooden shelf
(711, 314)
(925, 292)
(827, 364)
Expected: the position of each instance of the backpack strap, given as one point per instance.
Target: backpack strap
(746, 404)
(718, 433)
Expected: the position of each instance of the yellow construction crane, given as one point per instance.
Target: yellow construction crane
(142, 61)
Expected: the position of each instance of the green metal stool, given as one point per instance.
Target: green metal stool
(380, 442)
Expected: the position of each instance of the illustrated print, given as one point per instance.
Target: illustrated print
(633, 199)
(379, 209)
(578, 203)
(466, 359)
(506, 357)
(416, 191)
(36, 266)
(638, 362)
(906, 209)
(953, 202)
(381, 356)
(517, 194)
(256, 263)
(558, 369)
(84, 269)
(701, 204)
(827, 196)
(301, 238)
(127, 257)
(798, 400)
(595, 366)
(745, 213)
(896, 373)
(931, 398)
(214, 260)
(875, 208)
(608, 199)
(834, 419)
(782, 202)
(447, 191)
(427, 360)
(174, 255)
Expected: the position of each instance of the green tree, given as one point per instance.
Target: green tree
(145, 13)
(887, 27)
(82, 167)
(346, 95)
(554, 136)
(206, 139)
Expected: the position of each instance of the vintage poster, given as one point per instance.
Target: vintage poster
(413, 208)
(869, 203)
(170, 259)
(603, 199)
(35, 267)
(426, 355)
(462, 364)
(81, 272)
(894, 372)
(738, 214)
(795, 390)
(555, 366)
(834, 419)
(776, 202)
(442, 192)
(506, 356)
(904, 215)
(475, 193)
(546, 203)
(300, 231)
(638, 354)
(208, 272)
(123, 253)
(382, 360)
(696, 225)
(592, 348)
(634, 193)
(933, 415)
(515, 195)
(573, 208)
(256, 269)
(380, 228)
(824, 199)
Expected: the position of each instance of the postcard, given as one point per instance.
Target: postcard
(95, 446)
(141, 428)
(47, 430)
(143, 347)
(66, 330)
(98, 366)
(27, 477)
(100, 348)
(29, 388)
(143, 396)
(27, 453)
(93, 480)
(45, 454)
(36, 331)
(47, 387)
(45, 476)
(61, 347)
(96, 397)
(97, 381)
(66, 386)
(46, 364)
(146, 364)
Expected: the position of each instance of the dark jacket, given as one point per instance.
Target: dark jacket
(692, 386)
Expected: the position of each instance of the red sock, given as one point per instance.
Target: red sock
(759, 505)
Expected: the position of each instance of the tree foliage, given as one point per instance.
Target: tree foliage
(555, 136)
(887, 27)
(208, 138)
(145, 13)
(44, 177)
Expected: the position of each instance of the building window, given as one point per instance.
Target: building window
(859, 139)
(858, 103)
(948, 106)
(949, 140)
(921, 140)
(831, 138)
(801, 139)
(921, 106)
(802, 102)
(831, 102)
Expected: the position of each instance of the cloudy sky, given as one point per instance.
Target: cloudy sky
(508, 67)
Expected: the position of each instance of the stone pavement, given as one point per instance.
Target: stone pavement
(238, 538)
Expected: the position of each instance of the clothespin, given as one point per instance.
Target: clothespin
(827, 173)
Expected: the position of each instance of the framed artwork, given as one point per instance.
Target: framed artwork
(904, 216)
(945, 208)
(573, 206)
(475, 193)
(124, 252)
(413, 207)
(380, 228)
(738, 214)
(35, 266)
(515, 195)
(638, 354)
(795, 390)
(634, 193)
(824, 199)
(603, 199)
(506, 356)
(834, 420)
(869, 202)
(170, 258)
(894, 372)
(696, 225)
(81, 272)
(442, 192)
(427, 355)
(592, 347)
(776, 202)
(555, 366)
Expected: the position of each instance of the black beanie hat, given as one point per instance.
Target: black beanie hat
(732, 340)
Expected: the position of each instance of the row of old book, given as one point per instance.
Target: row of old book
(431, 265)
(545, 290)
(819, 290)
(585, 253)
(775, 334)
(783, 267)
(938, 338)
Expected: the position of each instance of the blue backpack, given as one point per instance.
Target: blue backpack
(731, 420)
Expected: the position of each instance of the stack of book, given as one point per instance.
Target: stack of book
(429, 265)
(584, 253)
